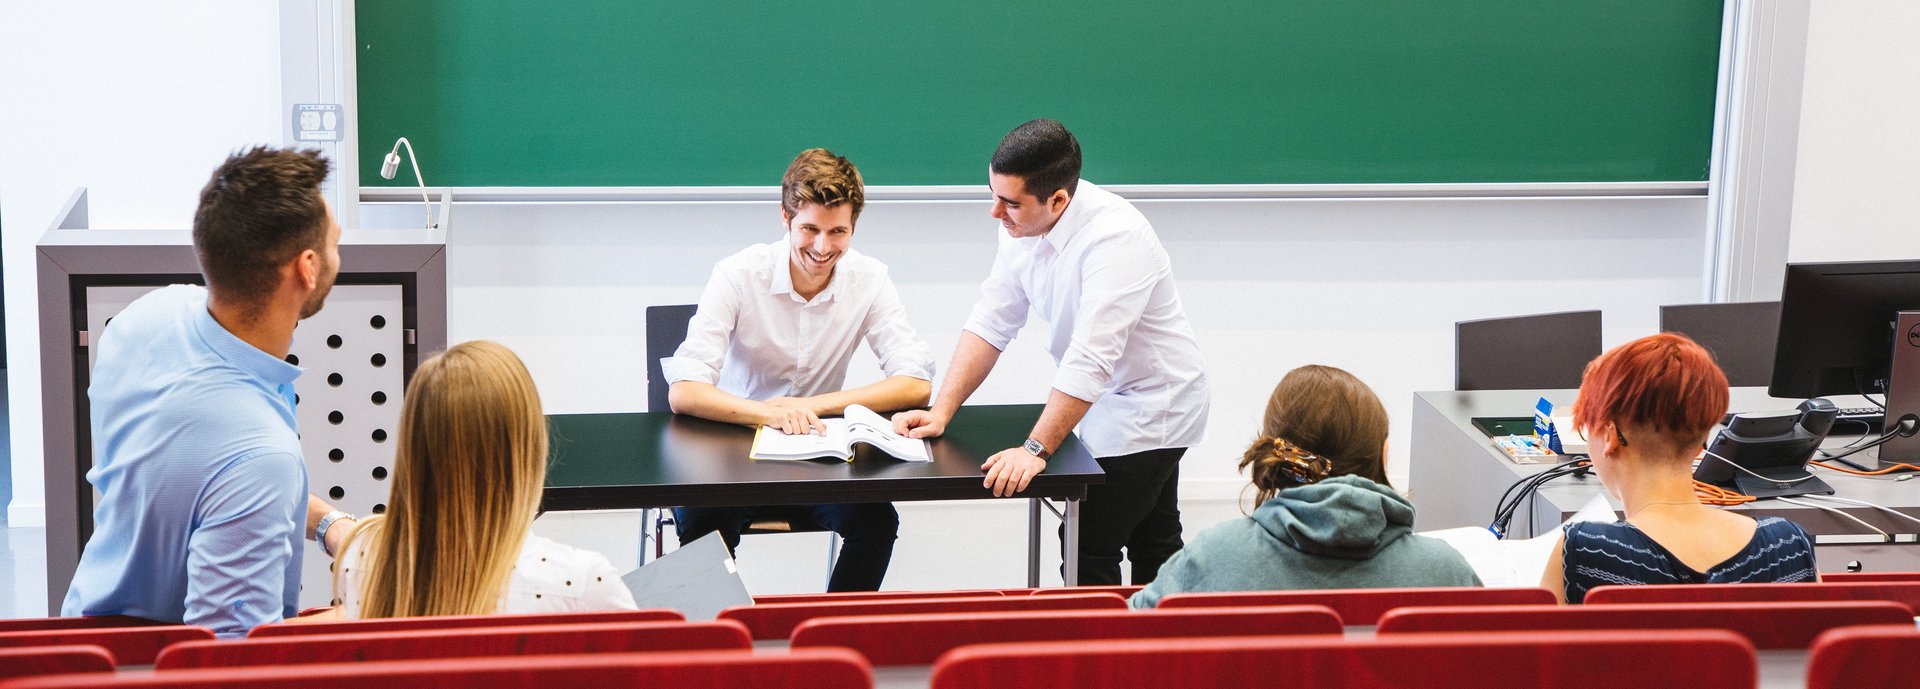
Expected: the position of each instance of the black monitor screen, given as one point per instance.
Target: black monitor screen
(1836, 326)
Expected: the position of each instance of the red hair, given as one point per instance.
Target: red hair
(1666, 383)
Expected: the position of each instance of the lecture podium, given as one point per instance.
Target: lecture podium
(661, 459)
(1457, 476)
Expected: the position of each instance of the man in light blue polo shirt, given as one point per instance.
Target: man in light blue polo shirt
(203, 491)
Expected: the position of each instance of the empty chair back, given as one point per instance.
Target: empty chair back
(850, 596)
(401, 624)
(1546, 351)
(35, 661)
(1857, 657)
(34, 624)
(1903, 592)
(1859, 577)
(127, 645)
(610, 637)
(818, 668)
(666, 329)
(920, 639)
(1364, 607)
(1122, 591)
(1565, 660)
(778, 621)
(1741, 336)
(1768, 625)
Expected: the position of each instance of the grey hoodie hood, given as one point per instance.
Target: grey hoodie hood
(1344, 517)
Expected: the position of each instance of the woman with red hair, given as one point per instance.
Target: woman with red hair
(1645, 409)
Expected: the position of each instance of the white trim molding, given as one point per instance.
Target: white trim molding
(1756, 143)
(1138, 192)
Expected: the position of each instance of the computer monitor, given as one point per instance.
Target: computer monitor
(1850, 329)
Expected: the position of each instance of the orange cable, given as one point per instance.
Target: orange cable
(1856, 472)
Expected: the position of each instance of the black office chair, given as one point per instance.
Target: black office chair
(666, 329)
(1740, 335)
(1540, 352)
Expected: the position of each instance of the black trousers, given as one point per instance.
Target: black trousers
(866, 530)
(1137, 508)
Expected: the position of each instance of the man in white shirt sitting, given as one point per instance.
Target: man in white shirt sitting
(1129, 371)
(770, 345)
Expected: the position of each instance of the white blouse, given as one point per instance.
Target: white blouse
(548, 577)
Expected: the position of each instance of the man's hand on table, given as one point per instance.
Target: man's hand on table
(1009, 471)
(793, 416)
(919, 423)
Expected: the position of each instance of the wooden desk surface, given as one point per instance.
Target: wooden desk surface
(660, 459)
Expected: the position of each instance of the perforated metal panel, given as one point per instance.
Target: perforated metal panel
(348, 409)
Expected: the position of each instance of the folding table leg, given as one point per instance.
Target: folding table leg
(1033, 543)
(1072, 550)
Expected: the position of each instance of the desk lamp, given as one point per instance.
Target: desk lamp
(392, 166)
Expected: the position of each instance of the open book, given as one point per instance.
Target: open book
(859, 425)
(1515, 562)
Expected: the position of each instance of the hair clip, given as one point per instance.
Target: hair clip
(1300, 465)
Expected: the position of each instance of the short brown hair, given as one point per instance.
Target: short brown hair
(1665, 385)
(1320, 422)
(262, 208)
(819, 177)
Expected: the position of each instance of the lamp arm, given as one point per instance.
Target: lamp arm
(422, 181)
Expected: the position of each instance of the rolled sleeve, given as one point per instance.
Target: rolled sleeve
(699, 356)
(900, 350)
(1116, 288)
(241, 548)
(1002, 309)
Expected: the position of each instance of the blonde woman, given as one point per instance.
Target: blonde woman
(1326, 518)
(455, 539)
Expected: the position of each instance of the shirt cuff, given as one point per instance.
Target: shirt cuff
(1079, 385)
(677, 368)
(997, 337)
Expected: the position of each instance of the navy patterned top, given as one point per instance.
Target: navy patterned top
(1599, 554)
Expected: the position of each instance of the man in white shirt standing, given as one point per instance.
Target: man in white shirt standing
(1129, 372)
(770, 343)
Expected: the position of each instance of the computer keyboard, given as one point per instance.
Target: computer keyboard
(1848, 422)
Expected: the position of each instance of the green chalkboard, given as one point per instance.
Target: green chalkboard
(725, 92)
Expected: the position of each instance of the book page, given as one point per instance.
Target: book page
(773, 443)
(864, 426)
(1515, 562)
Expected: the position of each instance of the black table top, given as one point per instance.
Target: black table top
(661, 459)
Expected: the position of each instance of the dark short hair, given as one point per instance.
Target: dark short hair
(1043, 154)
(819, 177)
(261, 209)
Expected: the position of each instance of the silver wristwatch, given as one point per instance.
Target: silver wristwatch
(1033, 447)
(320, 530)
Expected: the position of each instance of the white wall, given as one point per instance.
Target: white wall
(1371, 285)
(136, 101)
(1857, 194)
(139, 103)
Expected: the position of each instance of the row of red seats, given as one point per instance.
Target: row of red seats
(1846, 658)
(917, 630)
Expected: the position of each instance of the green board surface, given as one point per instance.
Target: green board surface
(716, 93)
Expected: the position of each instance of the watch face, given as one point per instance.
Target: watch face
(1033, 447)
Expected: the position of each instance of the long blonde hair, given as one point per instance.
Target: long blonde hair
(471, 463)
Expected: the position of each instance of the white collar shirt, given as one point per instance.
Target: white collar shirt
(755, 338)
(1119, 336)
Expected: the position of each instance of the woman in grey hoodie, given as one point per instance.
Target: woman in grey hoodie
(1327, 518)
